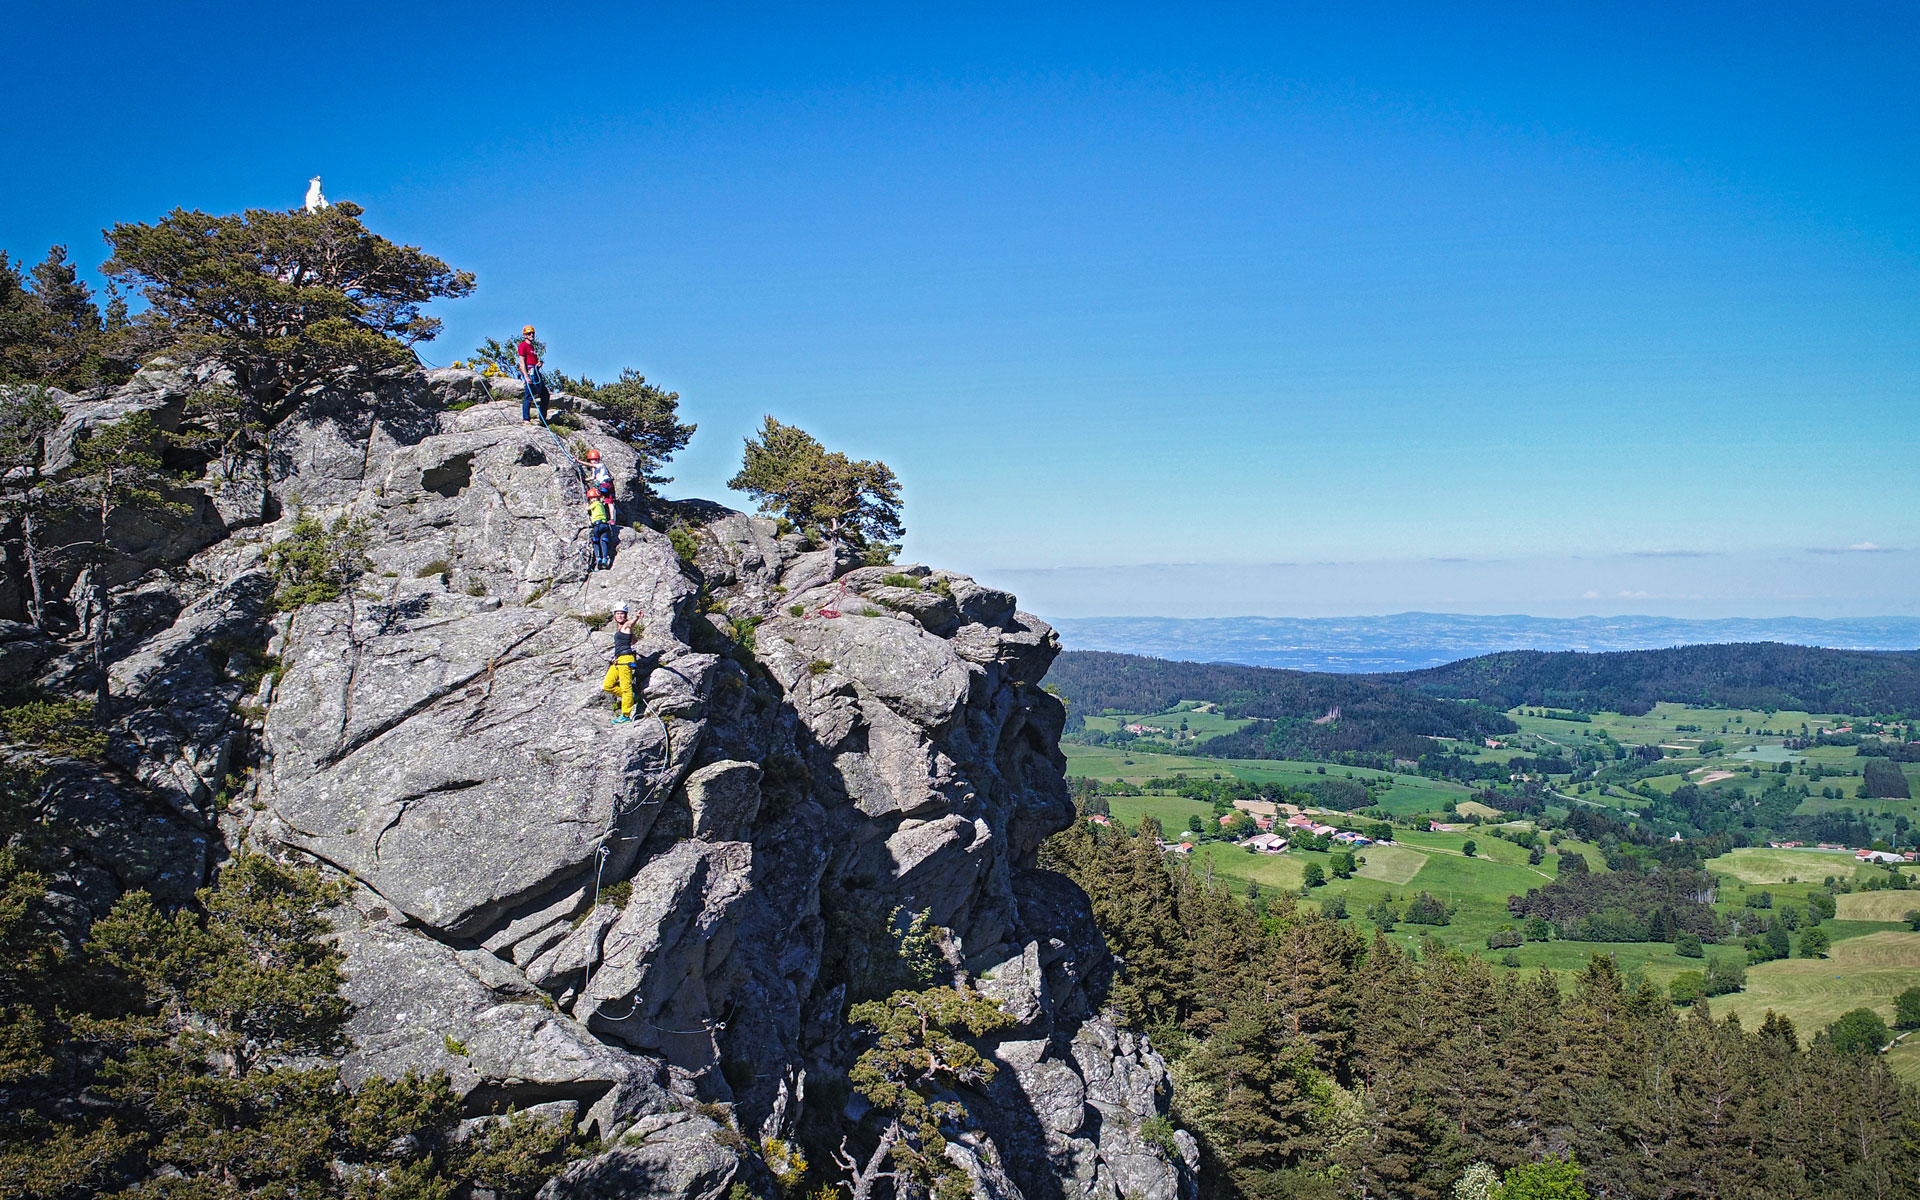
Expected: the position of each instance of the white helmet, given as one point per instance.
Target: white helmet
(622, 607)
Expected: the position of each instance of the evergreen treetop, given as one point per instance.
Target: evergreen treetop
(284, 299)
(852, 502)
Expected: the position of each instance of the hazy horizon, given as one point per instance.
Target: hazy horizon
(1815, 583)
(1414, 640)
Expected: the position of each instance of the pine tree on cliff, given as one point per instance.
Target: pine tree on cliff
(285, 300)
(174, 1053)
(908, 1074)
(642, 414)
(116, 469)
(846, 503)
(52, 332)
(27, 416)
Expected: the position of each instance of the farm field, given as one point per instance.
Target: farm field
(1746, 760)
(1409, 794)
(1171, 811)
(1201, 720)
(1393, 865)
(1873, 957)
(1878, 906)
(1662, 724)
(1759, 864)
(1860, 972)
(1107, 763)
(1904, 1059)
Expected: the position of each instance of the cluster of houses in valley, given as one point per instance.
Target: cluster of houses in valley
(1275, 824)
(1865, 856)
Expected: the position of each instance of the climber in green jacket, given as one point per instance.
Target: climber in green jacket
(619, 680)
(600, 519)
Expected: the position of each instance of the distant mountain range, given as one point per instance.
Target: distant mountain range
(1413, 641)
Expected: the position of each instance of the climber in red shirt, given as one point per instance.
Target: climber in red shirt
(535, 379)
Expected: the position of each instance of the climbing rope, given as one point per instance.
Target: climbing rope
(575, 488)
(577, 493)
(602, 853)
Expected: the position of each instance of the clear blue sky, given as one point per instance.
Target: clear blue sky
(1618, 307)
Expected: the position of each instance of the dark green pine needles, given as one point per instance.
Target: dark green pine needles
(1310, 1061)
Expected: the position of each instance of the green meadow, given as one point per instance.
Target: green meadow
(1873, 955)
(1407, 796)
(1198, 718)
(1872, 959)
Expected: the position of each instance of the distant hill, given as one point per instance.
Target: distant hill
(1413, 641)
(1745, 675)
(1394, 715)
(1377, 716)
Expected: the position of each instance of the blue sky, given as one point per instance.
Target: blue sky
(1181, 311)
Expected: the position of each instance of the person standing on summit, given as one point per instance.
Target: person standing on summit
(528, 352)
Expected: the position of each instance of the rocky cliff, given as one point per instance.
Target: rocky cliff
(650, 929)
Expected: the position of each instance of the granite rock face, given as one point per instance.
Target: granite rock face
(650, 928)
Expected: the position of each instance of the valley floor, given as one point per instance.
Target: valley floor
(1873, 958)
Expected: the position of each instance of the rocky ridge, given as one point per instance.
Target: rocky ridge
(651, 929)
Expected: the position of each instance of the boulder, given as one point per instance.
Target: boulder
(419, 1005)
(178, 690)
(459, 763)
(724, 798)
(665, 968)
(671, 1158)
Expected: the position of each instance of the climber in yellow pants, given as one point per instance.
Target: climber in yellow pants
(619, 680)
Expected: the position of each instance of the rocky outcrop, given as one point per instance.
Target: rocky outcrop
(652, 928)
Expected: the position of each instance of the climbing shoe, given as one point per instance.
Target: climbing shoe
(623, 719)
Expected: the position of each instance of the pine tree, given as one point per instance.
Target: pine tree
(643, 415)
(52, 333)
(166, 1054)
(1250, 1092)
(825, 494)
(906, 1074)
(1153, 984)
(1415, 1069)
(117, 469)
(1406, 1146)
(27, 416)
(284, 300)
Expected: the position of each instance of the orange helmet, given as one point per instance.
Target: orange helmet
(528, 329)
(593, 456)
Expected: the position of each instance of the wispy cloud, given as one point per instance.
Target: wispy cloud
(1672, 553)
(1856, 548)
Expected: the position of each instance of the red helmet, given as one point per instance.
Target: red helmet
(593, 456)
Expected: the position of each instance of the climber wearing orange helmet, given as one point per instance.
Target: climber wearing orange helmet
(600, 519)
(599, 479)
(528, 352)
